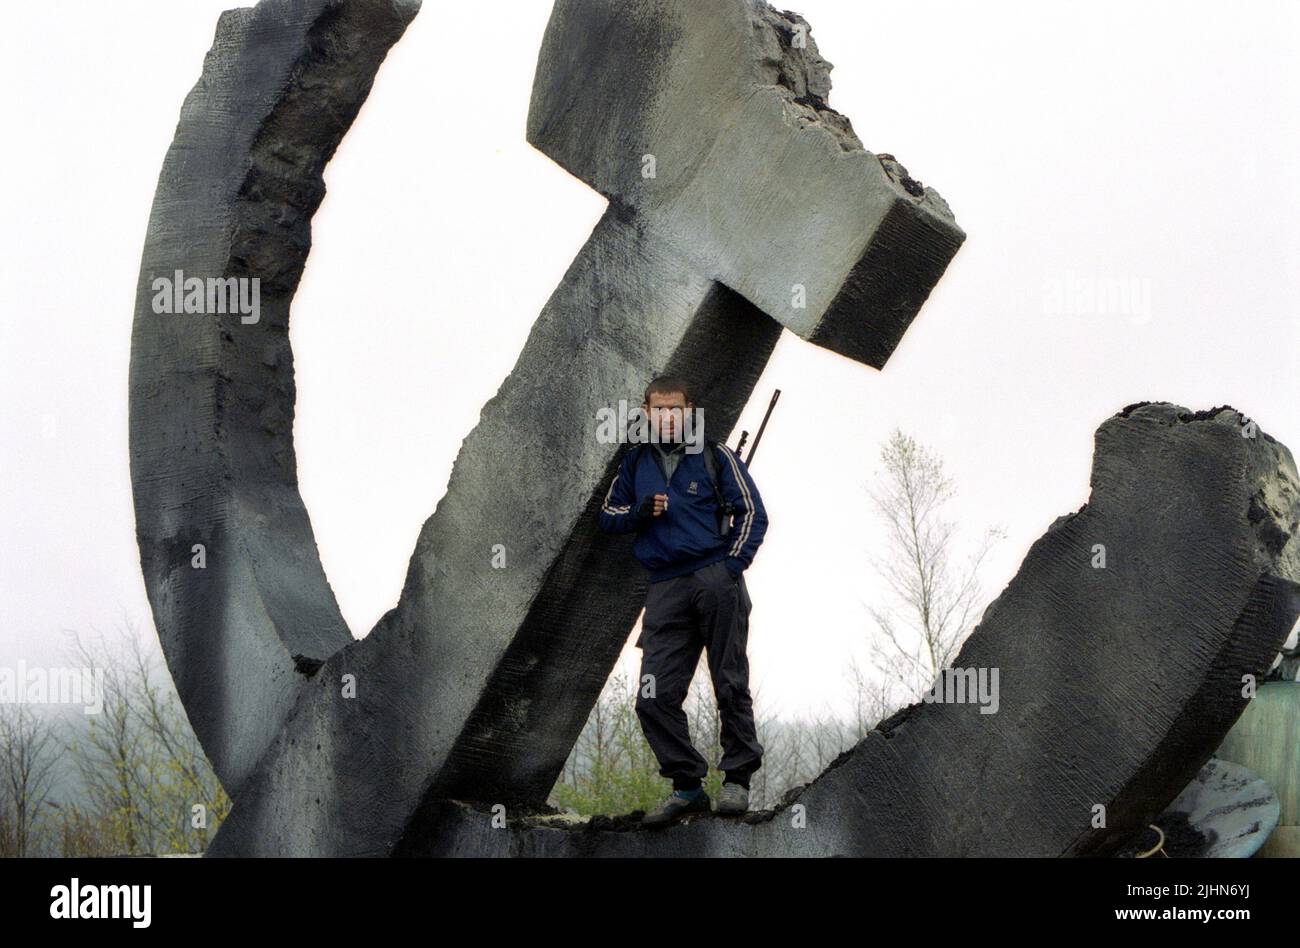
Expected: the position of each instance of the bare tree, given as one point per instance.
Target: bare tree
(186, 800)
(798, 751)
(108, 754)
(872, 701)
(147, 786)
(611, 768)
(28, 752)
(933, 598)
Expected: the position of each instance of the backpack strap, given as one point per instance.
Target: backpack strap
(711, 463)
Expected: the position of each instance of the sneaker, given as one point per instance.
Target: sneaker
(733, 800)
(676, 806)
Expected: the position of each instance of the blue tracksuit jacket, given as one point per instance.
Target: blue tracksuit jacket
(684, 537)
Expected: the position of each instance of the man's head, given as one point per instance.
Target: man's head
(667, 402)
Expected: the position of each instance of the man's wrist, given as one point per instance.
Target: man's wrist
(735, 566)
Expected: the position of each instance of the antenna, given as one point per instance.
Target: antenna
(744, 435)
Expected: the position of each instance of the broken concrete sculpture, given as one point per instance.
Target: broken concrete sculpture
(739, 203)
(1120, 647)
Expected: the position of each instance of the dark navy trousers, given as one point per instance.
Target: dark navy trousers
(705, 610)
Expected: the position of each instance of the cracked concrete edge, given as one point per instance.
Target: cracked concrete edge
(1272, 505)
(802, 77)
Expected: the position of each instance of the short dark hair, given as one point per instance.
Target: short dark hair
(667, 385)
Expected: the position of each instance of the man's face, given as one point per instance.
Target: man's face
(666, 412)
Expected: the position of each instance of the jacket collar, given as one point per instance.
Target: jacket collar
(659, 454)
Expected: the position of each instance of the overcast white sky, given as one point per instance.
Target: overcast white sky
(1151, 143)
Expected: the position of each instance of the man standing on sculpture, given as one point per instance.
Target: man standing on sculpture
(664, 492)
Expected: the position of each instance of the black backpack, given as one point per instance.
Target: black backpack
(725, 509)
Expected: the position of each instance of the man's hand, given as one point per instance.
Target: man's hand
(654, 506)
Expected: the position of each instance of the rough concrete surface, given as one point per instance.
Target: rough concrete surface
(764, 211)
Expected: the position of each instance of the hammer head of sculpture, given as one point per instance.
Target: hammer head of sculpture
(708, 124)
